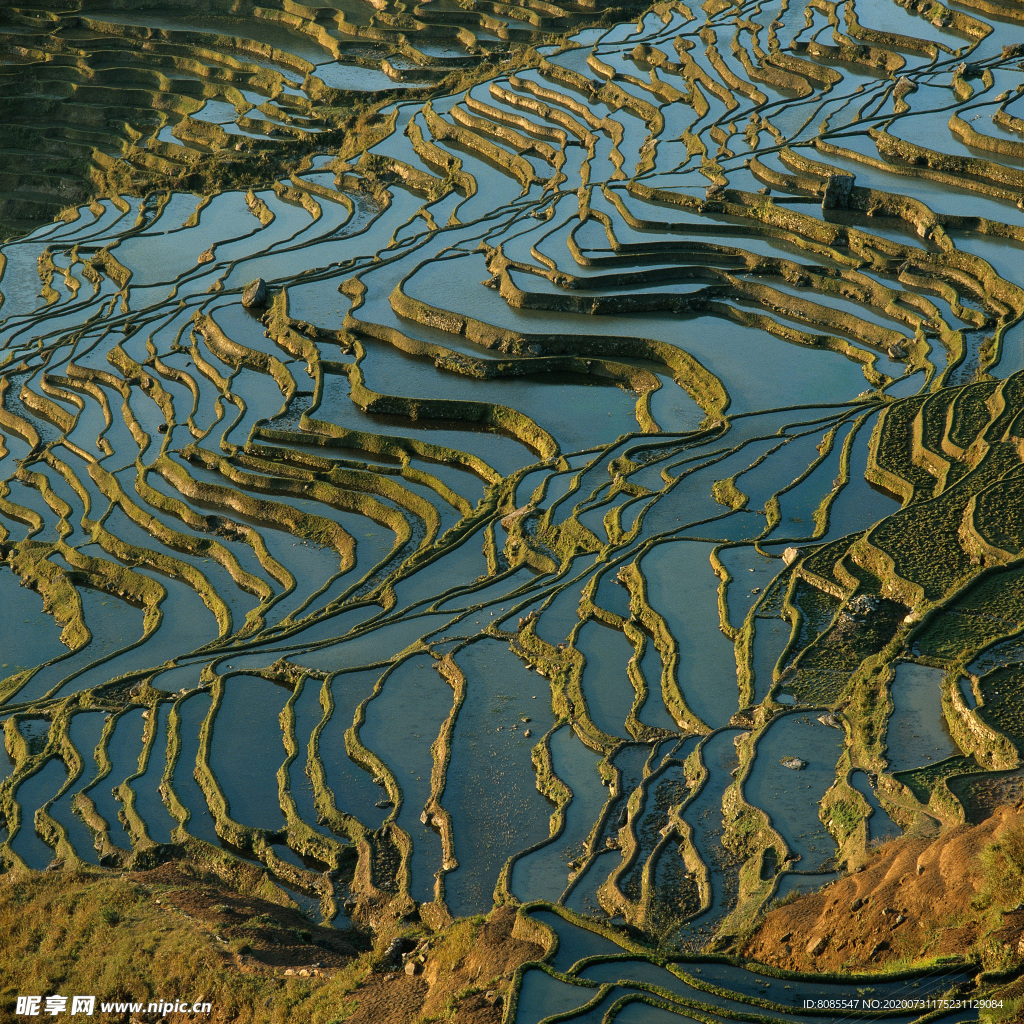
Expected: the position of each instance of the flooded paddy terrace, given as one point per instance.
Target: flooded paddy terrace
(619, 432)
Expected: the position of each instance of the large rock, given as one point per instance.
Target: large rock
(903, 86)
(860, 608)
(836, 193)
(255, 294)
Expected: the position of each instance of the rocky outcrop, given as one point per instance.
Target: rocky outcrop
(255, 294)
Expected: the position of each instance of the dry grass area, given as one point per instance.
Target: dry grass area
(180, 931)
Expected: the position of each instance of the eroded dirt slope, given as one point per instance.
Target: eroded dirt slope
(955, 895)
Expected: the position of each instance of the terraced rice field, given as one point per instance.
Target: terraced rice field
(641, 416)
(119, 93)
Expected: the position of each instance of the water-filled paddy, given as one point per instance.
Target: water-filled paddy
(546, 387)
(791, 796)
(917, 733)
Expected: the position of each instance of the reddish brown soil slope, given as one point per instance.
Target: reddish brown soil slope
(953, 895)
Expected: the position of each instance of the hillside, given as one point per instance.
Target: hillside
(954, 895)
